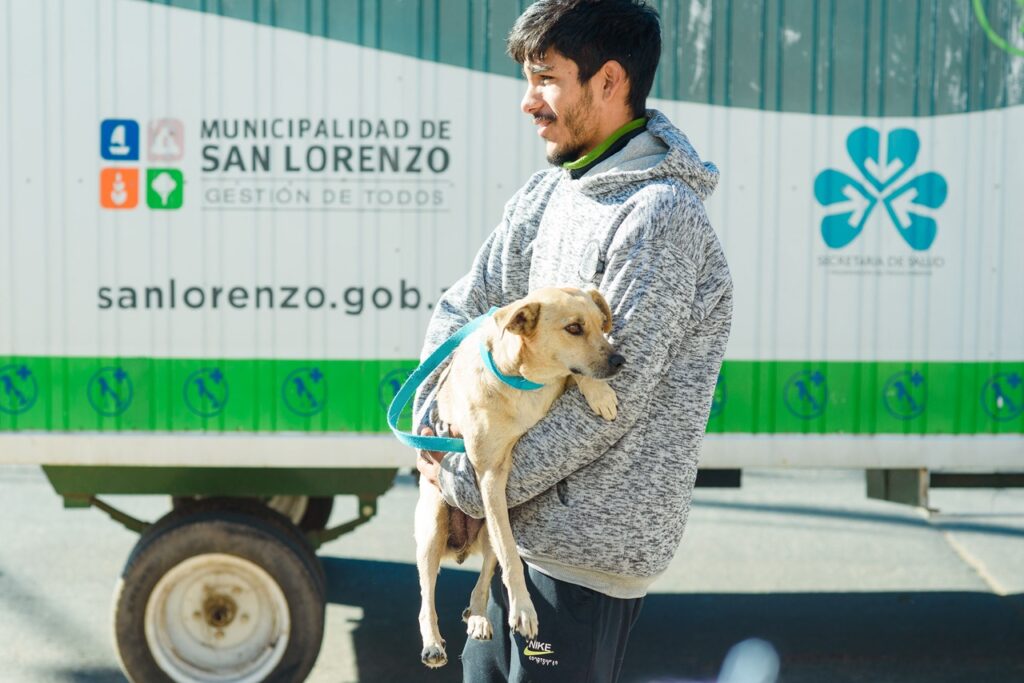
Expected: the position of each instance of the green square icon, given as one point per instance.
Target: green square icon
(165, 188)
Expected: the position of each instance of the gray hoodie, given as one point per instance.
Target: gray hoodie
(596, 503)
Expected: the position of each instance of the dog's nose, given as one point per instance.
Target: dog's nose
(616, 361)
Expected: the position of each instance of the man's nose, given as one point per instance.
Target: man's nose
(531, 101)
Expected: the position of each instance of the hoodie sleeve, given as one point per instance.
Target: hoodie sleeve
(649, 284)
(473, 295)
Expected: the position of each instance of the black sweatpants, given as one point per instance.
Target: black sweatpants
(582, 636)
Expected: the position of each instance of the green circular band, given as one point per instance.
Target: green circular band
(979, 11)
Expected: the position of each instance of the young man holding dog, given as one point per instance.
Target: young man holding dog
(597, 508)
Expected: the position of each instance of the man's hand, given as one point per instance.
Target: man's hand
(429, 462)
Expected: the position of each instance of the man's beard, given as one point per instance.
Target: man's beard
(575, 122)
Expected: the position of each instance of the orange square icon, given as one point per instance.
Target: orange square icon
(119, 188)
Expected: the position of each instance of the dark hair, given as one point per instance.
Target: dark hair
(590, 33)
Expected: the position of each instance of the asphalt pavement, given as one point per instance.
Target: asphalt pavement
(845, 588)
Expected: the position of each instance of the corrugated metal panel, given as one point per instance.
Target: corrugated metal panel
(866, 57)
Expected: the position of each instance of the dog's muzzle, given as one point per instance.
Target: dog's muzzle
(615, 363)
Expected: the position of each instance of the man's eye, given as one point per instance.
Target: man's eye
(544, 80)
(575, 329)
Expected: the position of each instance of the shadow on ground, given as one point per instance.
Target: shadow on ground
(938, 637)
(949, 522)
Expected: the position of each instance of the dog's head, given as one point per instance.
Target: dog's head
(563, 333)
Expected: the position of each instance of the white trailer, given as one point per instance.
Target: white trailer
(223, 230)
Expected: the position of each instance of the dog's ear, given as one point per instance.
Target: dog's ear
(518, 318)
(606, 311)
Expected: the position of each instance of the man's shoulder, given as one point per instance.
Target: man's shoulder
(668, 201)
(662, 208)
(542, 181)
(533, 195)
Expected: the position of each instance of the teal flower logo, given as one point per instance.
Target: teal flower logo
(909, 205)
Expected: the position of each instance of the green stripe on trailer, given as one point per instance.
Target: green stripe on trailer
(787, 397)
(70, 394)
(870, 58)
(170, 394)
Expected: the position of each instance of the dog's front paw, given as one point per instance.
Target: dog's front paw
(523, 618)
(478, 628)
(602, 400)
(434, 655)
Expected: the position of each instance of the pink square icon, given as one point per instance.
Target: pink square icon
(166, 139)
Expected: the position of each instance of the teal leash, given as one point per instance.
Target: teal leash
(520, 383)
(445, 444)
(413, 382)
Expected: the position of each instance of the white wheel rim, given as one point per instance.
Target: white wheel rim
(292, 507)
(215, 618)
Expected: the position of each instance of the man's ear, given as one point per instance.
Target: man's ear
(518, 318)
(606, 311)
(613, 79)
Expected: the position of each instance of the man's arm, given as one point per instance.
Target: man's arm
(649, 284)
(473, 295)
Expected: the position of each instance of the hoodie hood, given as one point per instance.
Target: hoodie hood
(678, 160)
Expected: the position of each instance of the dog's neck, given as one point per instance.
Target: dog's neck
(511, 354)
(506, 350)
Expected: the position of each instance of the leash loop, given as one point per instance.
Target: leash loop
(412, 383)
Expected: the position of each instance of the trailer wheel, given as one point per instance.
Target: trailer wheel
(218, 595)
(255, 508)
(309, 513)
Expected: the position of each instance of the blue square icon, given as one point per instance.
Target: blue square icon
(119, 139)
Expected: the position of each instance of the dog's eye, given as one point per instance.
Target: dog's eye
(575, 329)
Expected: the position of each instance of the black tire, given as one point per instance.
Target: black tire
(318, 513)
(194, 536)
(315, 518)
(254, 507)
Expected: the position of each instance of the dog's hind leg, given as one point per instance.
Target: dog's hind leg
(475, 616)
(521, 614)
(431, 531)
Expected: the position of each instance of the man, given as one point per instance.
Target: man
(598, 507)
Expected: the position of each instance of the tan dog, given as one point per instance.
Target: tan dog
(552, 337)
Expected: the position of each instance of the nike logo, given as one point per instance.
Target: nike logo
(537, 653)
